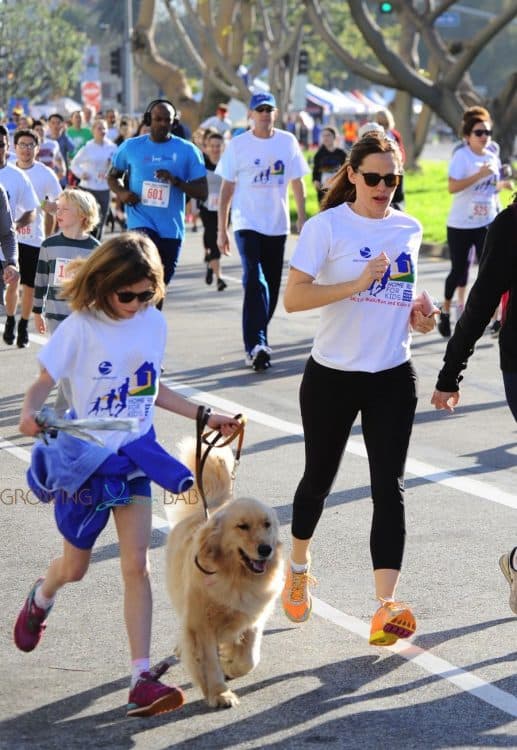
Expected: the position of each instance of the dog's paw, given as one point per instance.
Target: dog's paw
(227, 699)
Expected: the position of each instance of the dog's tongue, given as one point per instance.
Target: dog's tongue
(258, 565)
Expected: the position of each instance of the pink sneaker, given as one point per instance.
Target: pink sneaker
(150, 696)
(30, 622)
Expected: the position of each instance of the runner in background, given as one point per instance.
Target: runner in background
(153, 175)
(214, 146)
(91, 164)
(24, 205)
(327, 160)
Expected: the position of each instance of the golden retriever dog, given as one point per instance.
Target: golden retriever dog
(223, 577)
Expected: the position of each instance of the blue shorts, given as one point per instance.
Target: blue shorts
(82, 516)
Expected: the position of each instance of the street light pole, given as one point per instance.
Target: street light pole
(128, 59)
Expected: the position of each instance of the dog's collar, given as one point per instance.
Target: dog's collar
(203, 570)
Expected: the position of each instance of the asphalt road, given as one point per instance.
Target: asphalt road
(320, 684)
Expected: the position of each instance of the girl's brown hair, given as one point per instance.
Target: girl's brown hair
(471, 117)
(341, 190)
(119, 262)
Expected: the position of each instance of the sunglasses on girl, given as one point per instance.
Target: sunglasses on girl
(481, 132)
(372, 179)
(126, 297)
(264, 108)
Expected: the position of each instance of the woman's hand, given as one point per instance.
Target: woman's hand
(374, 271)
(420, 322)
(226, 425)
(445, 400)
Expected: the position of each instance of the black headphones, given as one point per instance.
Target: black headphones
(147, 114)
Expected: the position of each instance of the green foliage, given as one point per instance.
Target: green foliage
(326, 69)
(40, 52)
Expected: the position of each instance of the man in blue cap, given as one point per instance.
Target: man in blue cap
(256, 168)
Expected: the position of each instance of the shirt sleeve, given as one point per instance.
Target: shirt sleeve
(119, 160)
(76, 163)
(196, 165)
(30, 199)
(493, 280)
(457, 167)
(298, 167)
(54, 189)
(226, 164)
(8, 241)
(41, 281)
(313, 246)
(60, 352)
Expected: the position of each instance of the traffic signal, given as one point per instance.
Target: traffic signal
(385, 7)
(116, 62)
(303, 62)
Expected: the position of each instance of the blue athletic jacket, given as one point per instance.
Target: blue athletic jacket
(86, 480)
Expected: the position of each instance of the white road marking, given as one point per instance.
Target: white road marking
(432, 664)
(460, 678)
(430, 473)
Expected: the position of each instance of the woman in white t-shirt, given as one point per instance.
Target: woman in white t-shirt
(356, 260)
(474, 183)
(91, 165)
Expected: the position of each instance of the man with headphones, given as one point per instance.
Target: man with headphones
(152, 174)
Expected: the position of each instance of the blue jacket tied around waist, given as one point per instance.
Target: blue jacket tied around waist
(85, 480)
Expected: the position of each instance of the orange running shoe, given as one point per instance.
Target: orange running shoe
(296, 599)
(393, 620)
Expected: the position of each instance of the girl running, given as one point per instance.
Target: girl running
(110, 351)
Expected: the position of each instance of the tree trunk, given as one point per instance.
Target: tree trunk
(170, 78)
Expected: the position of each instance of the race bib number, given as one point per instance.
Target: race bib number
(479, 210)
(60, 271)
(26, 232)
(213, 201)
(155, 194)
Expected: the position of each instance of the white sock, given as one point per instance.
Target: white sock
(41, 601)
(296, 568)
(137, 667)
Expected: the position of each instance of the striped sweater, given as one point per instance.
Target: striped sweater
(56, 252)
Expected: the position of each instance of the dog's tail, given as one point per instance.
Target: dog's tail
(217, 482)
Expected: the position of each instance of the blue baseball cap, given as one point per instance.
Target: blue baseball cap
(257, 100)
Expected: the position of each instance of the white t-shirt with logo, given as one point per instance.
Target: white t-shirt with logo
(46, 186)
(261, 169)
(477, 205)
(94, 160)
(368, 332)
(109, 368)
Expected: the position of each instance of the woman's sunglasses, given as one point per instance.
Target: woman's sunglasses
(126, 297)
(372, 179)
(482, 132)
(264, 108)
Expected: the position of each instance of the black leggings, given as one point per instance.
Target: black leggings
(330, 401)
(209, 219)
(460, 241)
